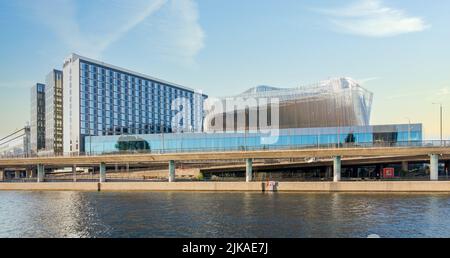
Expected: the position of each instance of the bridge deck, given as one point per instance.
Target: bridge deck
(232, 155)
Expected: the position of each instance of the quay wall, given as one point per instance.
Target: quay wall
(379, 186)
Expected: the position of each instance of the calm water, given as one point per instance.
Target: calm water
(186, 214)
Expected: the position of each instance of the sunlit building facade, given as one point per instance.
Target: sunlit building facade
(54, 112)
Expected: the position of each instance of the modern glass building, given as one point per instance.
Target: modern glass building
(37, 121)
(335, 102)
(54, 112)
(102, 99)
(392, 135)
(16, 144)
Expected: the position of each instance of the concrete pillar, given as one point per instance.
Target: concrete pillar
(248, 170)
(337, 169)
(40, 173)
(17, 174)
(405, 166)
(102, 172)
(74, 172)
(434, 166)
(171, 171)
(2, 175)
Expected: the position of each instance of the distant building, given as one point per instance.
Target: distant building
(37, 121)
(54, 112)
(102, 99)
(336, 102)
(16, 144)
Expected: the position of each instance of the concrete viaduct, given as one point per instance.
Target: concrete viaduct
(433, 153)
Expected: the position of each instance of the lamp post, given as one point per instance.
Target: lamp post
(440, 110)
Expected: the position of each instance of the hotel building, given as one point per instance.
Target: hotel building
(102, 99)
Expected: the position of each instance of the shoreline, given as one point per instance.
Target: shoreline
(363, 187)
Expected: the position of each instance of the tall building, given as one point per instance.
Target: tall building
(102, 99)
(37, 121)
(331, 103)
(54, 112)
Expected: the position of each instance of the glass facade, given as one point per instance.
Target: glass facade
(115, 101)
(288, 138)
(37, 121)
(16, 144)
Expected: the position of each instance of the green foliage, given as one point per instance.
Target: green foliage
(132, 144)
(350, 138)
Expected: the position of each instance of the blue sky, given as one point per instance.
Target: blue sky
(398, 49)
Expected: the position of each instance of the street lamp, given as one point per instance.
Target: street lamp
(440, 109)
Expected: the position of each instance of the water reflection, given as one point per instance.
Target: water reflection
(203, 214)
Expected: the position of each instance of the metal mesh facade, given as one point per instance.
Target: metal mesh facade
(331, 103)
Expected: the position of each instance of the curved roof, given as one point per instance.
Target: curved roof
(261, 88)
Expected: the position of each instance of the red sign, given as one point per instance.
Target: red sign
(388, 173)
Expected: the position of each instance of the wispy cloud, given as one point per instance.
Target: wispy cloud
(372, 18)
(365, 80)
(436, 94)
(134, 21)
(90, 30)
(181, 31)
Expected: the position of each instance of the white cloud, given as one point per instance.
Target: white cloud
(134, 21)
(183, 36)
(365, 80)
(372, 18)
(90, 30)
(444, 91)
(428, 94)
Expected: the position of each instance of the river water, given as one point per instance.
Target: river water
(213, 214)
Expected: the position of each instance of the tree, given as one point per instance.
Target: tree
(350, 138)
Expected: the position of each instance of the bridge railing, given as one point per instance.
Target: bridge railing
(269, 147)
